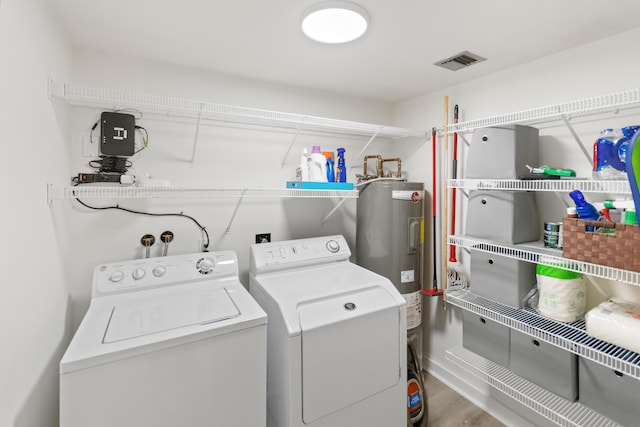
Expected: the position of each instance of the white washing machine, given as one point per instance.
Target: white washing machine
(168, 341)
(336, 346)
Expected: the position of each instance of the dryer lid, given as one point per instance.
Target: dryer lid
(139, 317)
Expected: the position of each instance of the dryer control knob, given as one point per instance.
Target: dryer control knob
(205, 265)
(333, 246)
(116, 276)
(159, 271)
(138, 273)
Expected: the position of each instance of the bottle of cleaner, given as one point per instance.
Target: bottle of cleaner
(330, 174)
(341, 169)
(621, 145)
(302, 171)
(606, 161)
(416, 406)
(585, 209)
(317, 165)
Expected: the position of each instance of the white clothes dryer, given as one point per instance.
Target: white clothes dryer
(336, 340)
(167, 341)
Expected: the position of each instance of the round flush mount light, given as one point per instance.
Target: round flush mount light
(334, 22)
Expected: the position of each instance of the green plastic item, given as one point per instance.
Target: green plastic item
(633, 168)
(546, 170)
(557, 273)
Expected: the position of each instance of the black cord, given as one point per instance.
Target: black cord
(117, 207)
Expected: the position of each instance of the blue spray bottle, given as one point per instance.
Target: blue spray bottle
(341, 170)
(585, 209)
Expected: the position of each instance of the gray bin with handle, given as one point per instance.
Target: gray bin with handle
(609, 392)
(502, 152)
(486, 337)
(544, 364)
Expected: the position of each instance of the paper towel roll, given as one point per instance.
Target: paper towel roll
(561, 299)
(617, 322)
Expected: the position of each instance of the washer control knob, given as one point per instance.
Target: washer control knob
(138, 273)
(333, 246)
(116, 276)
(159, 271)
(205, 265)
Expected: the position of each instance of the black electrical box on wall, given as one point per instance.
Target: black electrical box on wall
(117, 134)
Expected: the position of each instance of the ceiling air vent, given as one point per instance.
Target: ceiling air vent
(461, 60)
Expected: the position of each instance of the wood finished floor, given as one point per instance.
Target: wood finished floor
(449, 409)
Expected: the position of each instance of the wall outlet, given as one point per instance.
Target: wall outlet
(263, 238)
(89, 147)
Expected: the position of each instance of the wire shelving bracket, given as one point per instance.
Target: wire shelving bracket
(584, 107)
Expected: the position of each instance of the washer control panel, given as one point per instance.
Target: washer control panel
(133, 275)
(298, 253)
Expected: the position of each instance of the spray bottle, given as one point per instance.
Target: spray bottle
(585, 209)
(341, 170)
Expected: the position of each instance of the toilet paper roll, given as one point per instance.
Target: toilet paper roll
(617, 322)
(561, 298)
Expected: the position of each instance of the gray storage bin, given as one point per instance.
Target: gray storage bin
(609, 392)
(502, 152)
(503, 216)
(501, 279)
(544, 364)
(486, 337)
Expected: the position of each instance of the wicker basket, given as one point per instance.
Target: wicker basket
(619, 250)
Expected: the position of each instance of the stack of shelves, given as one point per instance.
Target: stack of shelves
(569, 336)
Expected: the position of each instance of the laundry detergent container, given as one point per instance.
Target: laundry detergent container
(501, 279)
(485, 337)
(503, 216)
(502, 152)
(544, 364)
(609, 392)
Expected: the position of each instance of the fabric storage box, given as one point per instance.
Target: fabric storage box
(619, 249)
(544, 364)
(503, 216)
(501, 279)
(486, 337)
(609, 392)
(502, 152)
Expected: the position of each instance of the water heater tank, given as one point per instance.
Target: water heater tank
(390, 232)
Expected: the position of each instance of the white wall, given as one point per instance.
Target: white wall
(34, 318)
(602, 67)
(234, 156)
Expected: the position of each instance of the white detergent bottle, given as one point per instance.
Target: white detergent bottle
(302, 171)
(317, 165)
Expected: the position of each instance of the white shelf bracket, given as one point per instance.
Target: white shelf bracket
(364, 148)
(235, 211)
(576, 137)
(466, 142)
(284, 159)
(333, 211)
(195, 139)
(52, 194)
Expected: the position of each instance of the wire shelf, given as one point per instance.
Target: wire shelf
(555, 185)
(536, 253)
(571, 336)
(89, 96)
(583, 107)
(551, 406)
(113, 192)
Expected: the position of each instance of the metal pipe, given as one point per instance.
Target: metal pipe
(399, 161)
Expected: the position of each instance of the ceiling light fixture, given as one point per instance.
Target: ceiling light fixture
(334, 22)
